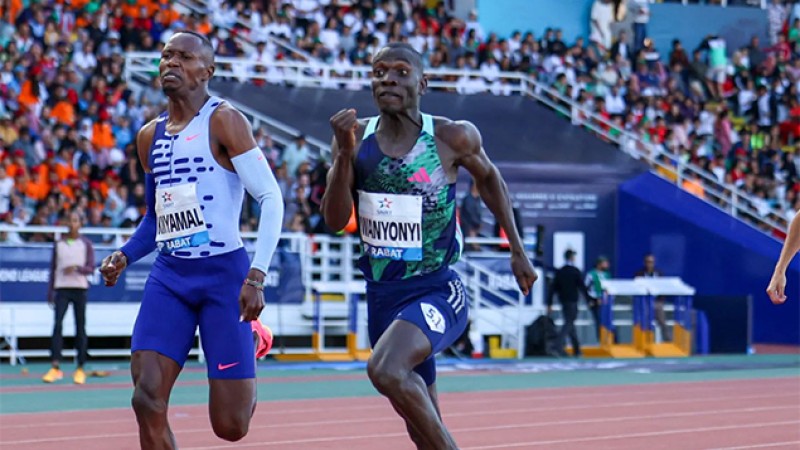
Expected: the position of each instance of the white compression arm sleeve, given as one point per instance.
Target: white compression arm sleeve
(260, 182)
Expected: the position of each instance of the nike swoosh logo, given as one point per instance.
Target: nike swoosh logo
(221, 366)
(189, 138)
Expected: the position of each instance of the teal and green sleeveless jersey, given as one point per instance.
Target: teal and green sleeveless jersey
(406, 209)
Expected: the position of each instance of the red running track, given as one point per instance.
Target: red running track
(762, 413)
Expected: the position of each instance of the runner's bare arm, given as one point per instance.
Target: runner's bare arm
(791, 246)
(337, 202)
(465, 141)
(143, 240)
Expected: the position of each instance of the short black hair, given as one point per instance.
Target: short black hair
(416, 59)
(203, 40)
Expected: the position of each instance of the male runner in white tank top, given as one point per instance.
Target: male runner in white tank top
(198, 156)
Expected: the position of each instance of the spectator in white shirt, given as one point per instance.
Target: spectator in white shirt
(84, 58)
(281, 28)
(490, 70)
(473, 24)
(601, 18)
(260, 26)
(641, 17)
(776, 15)
(261, 54)
(615, 102)
(6, 189)
(515, 42)
(304, 11)
(746, 97)
(330, 36)
(417, 40)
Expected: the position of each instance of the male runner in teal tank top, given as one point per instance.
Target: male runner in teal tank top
(399, 171)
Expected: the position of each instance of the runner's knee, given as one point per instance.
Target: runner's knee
(384, 375)
(231, 427)
(146, 401)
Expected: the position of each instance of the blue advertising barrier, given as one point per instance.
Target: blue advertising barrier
(25, 272)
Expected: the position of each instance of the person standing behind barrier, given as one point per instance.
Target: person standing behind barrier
(568, 285)
(649, 271)
(73, 260)
(595, 289)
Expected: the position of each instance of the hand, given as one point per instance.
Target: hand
(345, 124)
(251, 299)
(523, 272)
(112, 266)
(70, 270)
(776, 287)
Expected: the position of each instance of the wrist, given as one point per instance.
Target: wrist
(123, 256)
(256, 284)
(344, 156)
(256, 275)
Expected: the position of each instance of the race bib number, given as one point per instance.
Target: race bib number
(180, 221)
(391, 225)
(433, 318)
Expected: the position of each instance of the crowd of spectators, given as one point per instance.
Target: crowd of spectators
(732, 113)
(68, 118)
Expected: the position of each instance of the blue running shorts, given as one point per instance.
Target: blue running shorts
(181, 294)
(436, 303)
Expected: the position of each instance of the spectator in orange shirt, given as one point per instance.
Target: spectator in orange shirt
(102, 133)
(30, 95)
(693, 184)
(16, 166)
(205, 26)
(63, 165)
(36, 187)
(63, 111)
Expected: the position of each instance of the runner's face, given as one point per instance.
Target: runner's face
(396, 82)
(184, 66)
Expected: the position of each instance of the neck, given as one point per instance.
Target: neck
(402, 124)
(183, 109)
(72, 234)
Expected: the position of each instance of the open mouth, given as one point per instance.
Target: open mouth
(388, 95)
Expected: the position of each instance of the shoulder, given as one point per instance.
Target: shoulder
(86, 241)
(460, 135)
(144, 138)
(226, 114)
(147, 132)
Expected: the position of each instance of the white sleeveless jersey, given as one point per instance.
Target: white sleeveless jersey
(198, 202)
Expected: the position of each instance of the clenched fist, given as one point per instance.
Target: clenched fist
(345, 124)
(112, 267)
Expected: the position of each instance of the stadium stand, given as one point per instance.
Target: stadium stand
(670, 103)
(68, 116)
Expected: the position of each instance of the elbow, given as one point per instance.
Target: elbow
(334, 216)
(273, 206)
(336, 222)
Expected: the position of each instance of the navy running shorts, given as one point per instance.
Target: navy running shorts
(436, 303)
